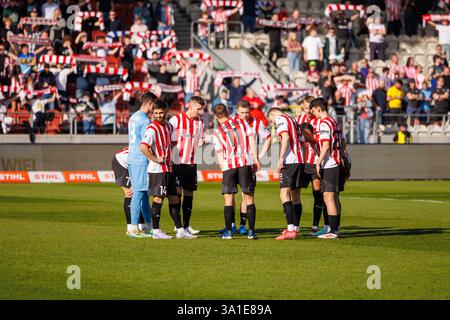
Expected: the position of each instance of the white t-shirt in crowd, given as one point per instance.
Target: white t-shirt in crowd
(444, 33)
(312, 46)
(378, 38)
(108, 110)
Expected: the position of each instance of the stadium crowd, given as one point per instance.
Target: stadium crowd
(92, 64)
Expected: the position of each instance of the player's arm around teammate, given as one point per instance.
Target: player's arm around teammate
(157, 147)
(234, 144)
(188, 132)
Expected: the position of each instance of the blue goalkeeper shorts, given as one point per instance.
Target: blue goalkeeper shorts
(138, 176)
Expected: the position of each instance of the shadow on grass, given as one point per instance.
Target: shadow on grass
(347, 232)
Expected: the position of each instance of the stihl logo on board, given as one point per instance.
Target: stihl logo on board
(81, 176)
(14, 177)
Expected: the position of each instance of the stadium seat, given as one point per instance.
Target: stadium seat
(435, 130)
(97, 34)
(113, 62)
(52, 127)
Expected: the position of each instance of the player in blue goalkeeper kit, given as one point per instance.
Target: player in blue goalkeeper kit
(137, 167)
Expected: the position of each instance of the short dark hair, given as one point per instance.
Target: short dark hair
(272, 110)
(221, 111)
(159, 105)
(319, 103)
(307, 126)
(399, 81)
(148, 97)
(199, 100)
(243, 104)
(308, 99)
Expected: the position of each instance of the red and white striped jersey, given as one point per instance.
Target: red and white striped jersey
(312, 154)
(220, 19)
(393, 9)
(122, 157)
(158, 138)
(420, 79)
(203, 29)
(372, 84)
(192, 81)
(259, 129)
(393, 69)
(232, 138)
(346, 91)
(294, 153)
(187, 132)
(330, 130)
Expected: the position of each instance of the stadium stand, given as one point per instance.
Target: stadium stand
(50, 68)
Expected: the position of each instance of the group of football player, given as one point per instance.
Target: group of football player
(160, 162)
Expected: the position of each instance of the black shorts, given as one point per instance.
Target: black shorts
(291, 176)
(309, 174)
(332, 179)
(185, 176)
(121, 174)
(244, 176)
(162, 184)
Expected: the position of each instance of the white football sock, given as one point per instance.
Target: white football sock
(291, 227)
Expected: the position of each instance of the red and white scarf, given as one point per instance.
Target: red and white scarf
(37, 21)
(276, 24)
(11, 89)
(86, 58)
(106, 70)
(434, 18)
(39, 93)
(30, 40)
(170, 88)
(206, 4)
(82, 15)
(202, 56)
(89, 44)
(272, 89)
(233, 74)
(140, 86)
(54, 59)
(156, 44)
(344, 7)
(110, 87)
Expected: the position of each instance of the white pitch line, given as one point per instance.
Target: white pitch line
(393, 199)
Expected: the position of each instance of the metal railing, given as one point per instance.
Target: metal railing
(226, 38)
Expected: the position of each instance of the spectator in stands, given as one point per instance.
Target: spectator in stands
(165, 14)
(283, 13)
(345, 93)
(393, 11)
(420, 77)
(275, 41)
(237, 91)
(249, 16)
(377, 31)
(113, 24)
(446, 76)
(440, 53)
(364, 116)
(105, 7)
(380, 99)
(39, 115)
(441, 99)
(411, 17)
(87, 109)
(365, 68)
(192, 78)
(299, 31)
(144, 12)
(48, 9)
(436, 70)
(341, 23)
(410, 68)
(403, 136)
(137, 27)
(26, 59)
(395, 99)
(221, 99)
(294, 48)
(57, 31)
(331, 48)
(312, 75)
(257, 106)
(313, 48)
(221, 17)
(203, 28)
(61, 75)
(107, 105)
(395, 68)
(444, 36)
(266, 8)
(414, 96)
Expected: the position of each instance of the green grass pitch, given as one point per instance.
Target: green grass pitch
(402, 227)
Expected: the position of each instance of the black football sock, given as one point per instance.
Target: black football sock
(325, 214)
(334, 223)
(127, 209)
(174, 210)
(187, 211)
(156, 214)
(317, 209)
(244, 218)
(251, 212)
(289, 212)
(228, 214)
(297, 214)
(338, 222)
